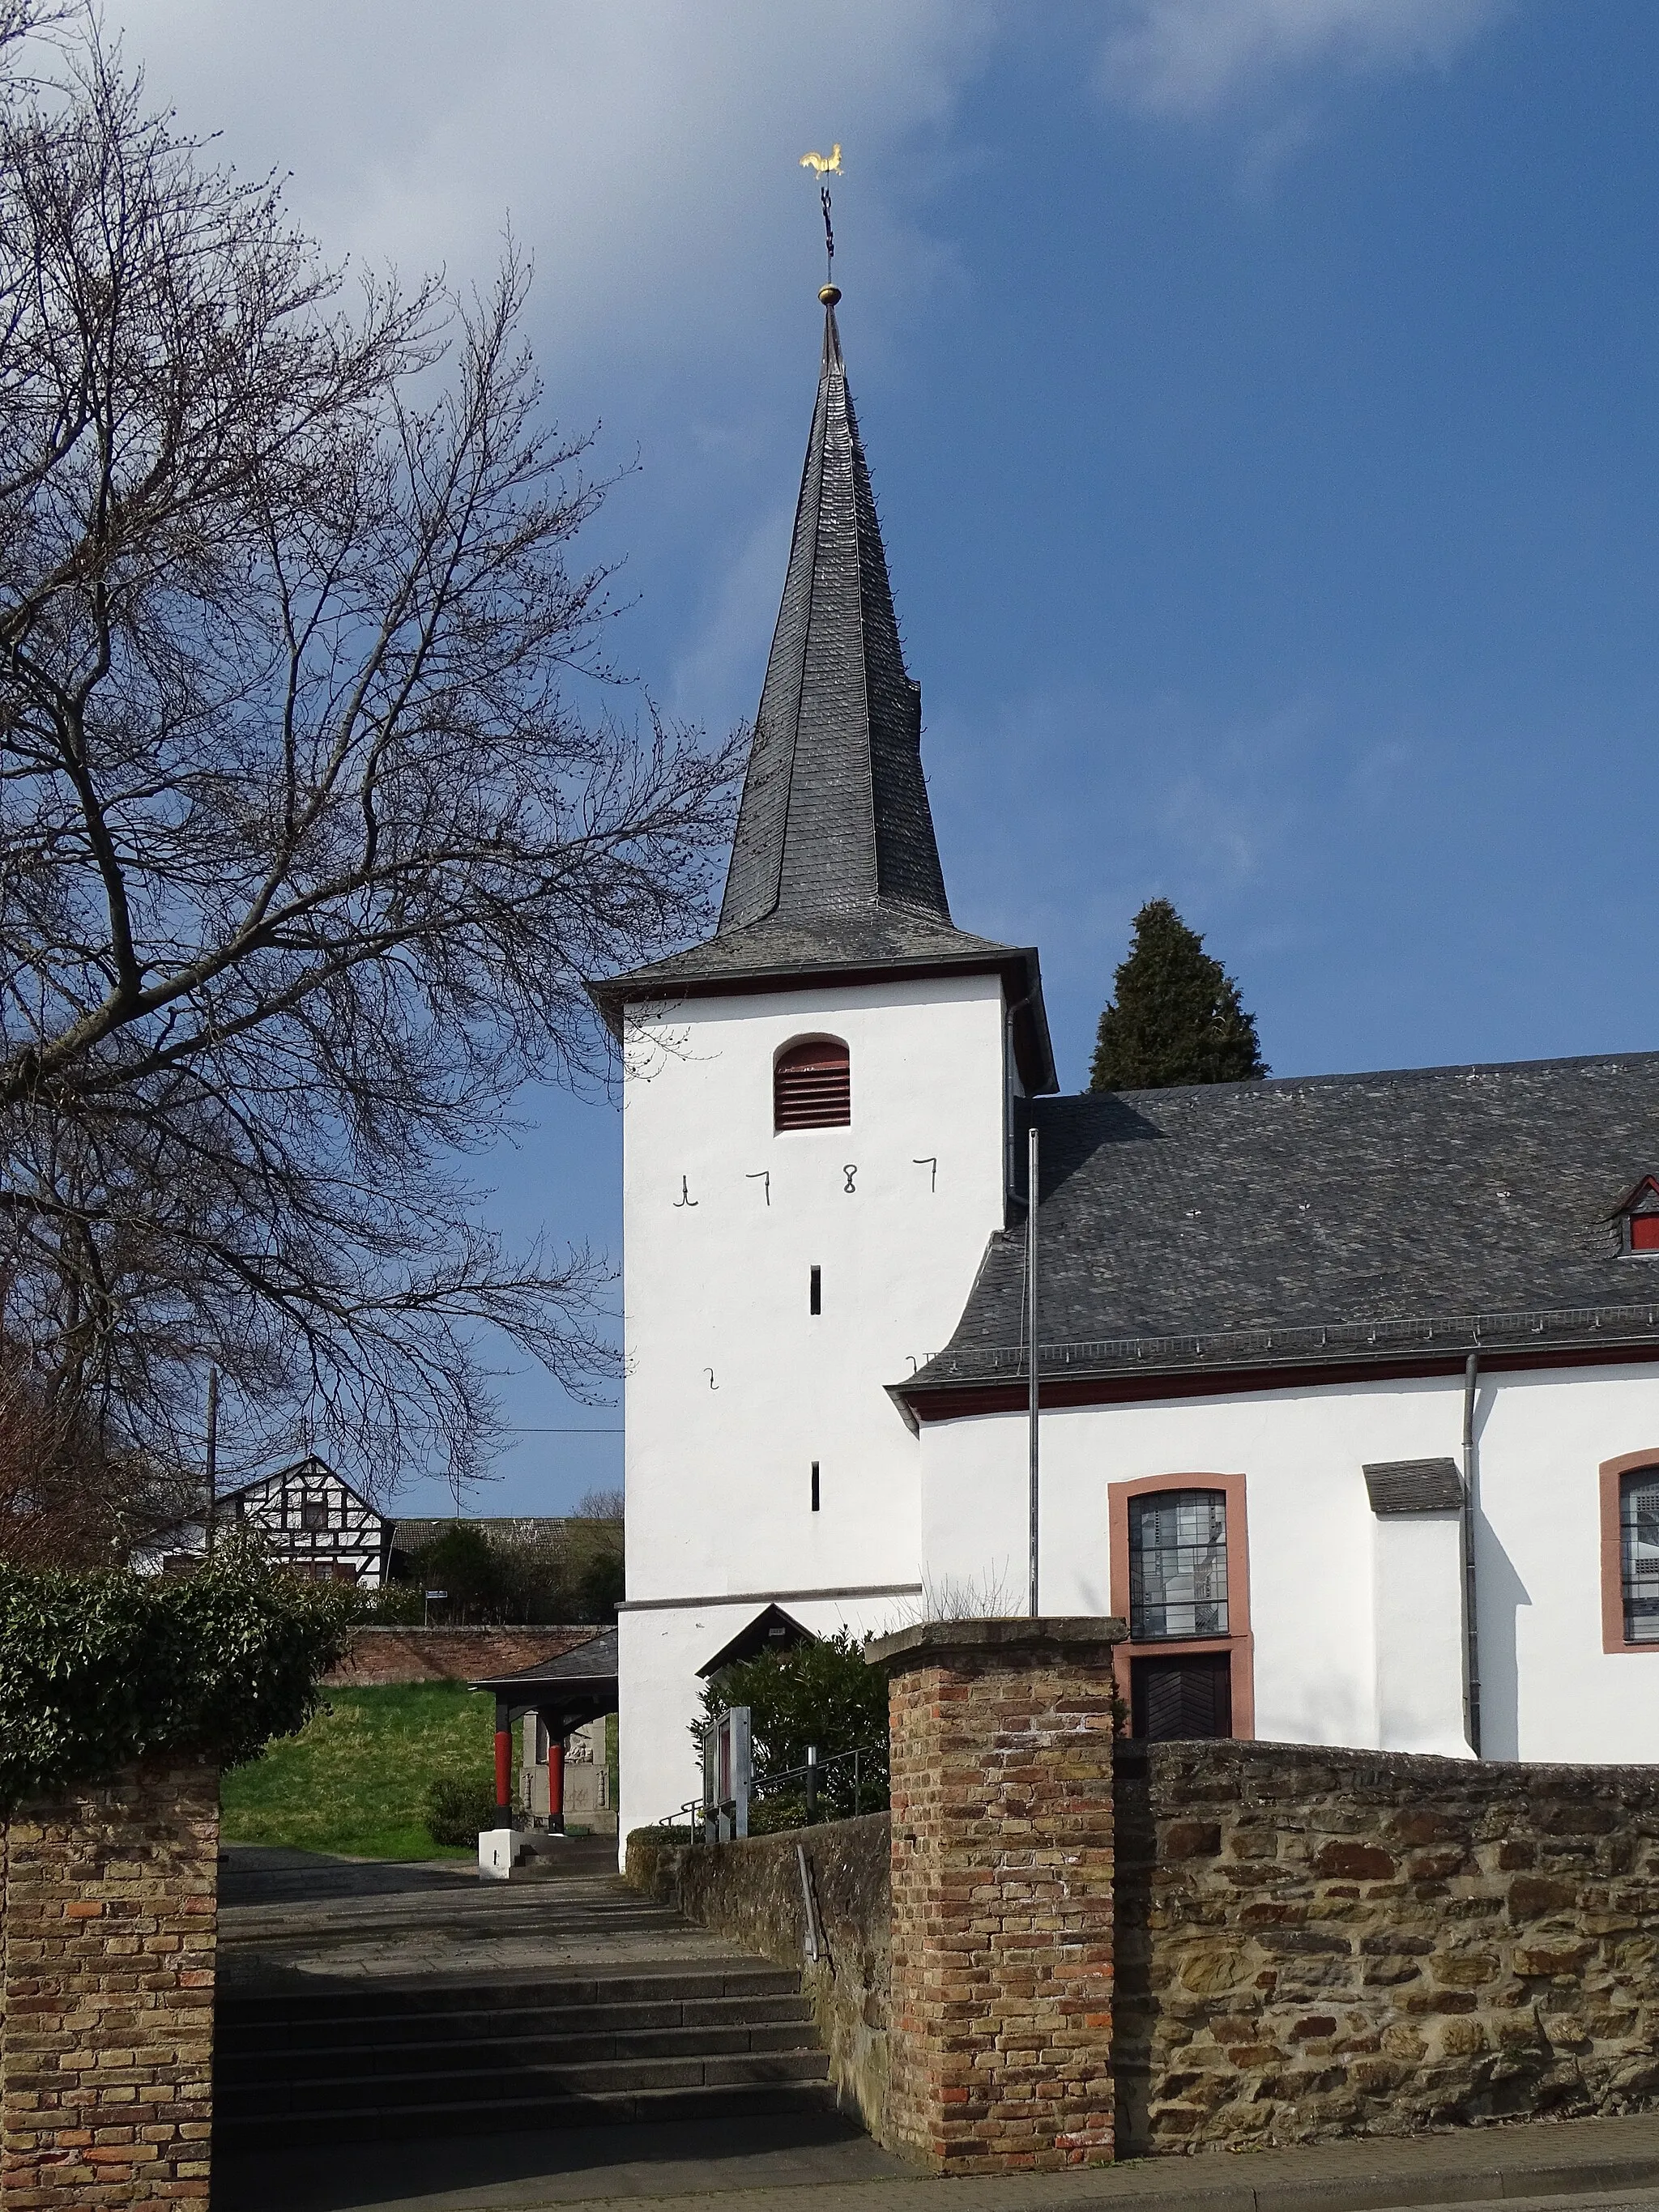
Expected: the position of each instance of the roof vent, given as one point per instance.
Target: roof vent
(1638, 1216)
(812, 1086)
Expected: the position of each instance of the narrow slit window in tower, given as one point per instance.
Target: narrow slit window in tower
(815, 1486)
(815, 1290)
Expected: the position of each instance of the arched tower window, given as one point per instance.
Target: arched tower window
(812, 1085)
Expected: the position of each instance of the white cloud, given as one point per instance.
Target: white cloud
(646, 151)
(1188, 58)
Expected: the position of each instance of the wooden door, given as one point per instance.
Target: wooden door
(1183, 1697)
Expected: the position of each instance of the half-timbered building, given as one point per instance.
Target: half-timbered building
(307, 1519)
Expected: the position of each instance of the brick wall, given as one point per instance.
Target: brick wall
(752, 1891)
(107, 1917)
(1314, 1944)
(380, 1655)
(1002, 1895)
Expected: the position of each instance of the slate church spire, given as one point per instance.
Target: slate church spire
(834, 817)
(835, 874)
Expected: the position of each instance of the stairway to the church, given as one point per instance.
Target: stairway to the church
(463, 2058)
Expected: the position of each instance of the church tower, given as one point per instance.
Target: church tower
(817, 1104)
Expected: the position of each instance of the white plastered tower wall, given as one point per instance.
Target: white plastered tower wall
(734, 1387)
(1549, 1691)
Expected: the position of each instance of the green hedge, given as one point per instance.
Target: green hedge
(459, 1807)
(97, 1670)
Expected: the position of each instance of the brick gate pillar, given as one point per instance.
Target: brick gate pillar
(108, 1898)
(1000, 1746)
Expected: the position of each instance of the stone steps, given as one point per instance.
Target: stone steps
(462, 2057)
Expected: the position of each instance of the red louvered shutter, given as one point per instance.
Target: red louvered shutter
(812, 1086)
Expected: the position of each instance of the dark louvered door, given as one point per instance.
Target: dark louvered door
(1184, 1697)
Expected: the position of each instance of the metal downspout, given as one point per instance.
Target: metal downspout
(1033, 1399)
(1008, 1072)
(1471, 1619)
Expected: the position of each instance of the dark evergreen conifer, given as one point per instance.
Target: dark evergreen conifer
(1176, 1018)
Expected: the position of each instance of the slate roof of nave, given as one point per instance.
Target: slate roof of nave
(1334, 1219)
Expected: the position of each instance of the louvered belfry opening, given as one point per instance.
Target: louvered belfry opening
(812, 1086)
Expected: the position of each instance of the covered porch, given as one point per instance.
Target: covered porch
(553, 1700)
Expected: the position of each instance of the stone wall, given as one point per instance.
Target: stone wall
(380, 1655)
(1314, 1943)
(1000, 1749)
(1310, 1943)
(752, 1891)
(107, 1919)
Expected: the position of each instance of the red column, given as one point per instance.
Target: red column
(503, 1777)
(556, 1784)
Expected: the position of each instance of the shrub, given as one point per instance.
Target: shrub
(100, 1670)
(818, 1693)
(459, 1807)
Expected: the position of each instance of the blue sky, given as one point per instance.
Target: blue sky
(1261, 395)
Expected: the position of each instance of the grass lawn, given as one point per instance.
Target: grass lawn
(353, 1780)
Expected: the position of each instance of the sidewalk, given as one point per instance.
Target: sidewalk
(732, 2168)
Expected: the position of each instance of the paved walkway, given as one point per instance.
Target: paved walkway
(764, 2168)
(287, 1913)
(289, 1916)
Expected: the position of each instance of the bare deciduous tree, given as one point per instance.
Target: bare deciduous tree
(308, 831)
(66, 1497)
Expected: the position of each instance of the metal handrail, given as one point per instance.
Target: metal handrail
(813, 1772)
(694, 1811)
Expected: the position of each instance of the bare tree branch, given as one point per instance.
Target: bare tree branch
(306, 837)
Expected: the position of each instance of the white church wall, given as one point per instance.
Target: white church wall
(1549, 1690)
(734, 1387)
(1417, 1562)
(1308, 1531)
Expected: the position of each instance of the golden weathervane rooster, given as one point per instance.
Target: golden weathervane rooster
(822, 167)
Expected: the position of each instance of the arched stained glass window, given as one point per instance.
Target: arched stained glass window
(1638, 1554)
(812, 1085)
(1178, 1564)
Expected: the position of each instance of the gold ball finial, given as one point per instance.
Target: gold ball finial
(830, 294)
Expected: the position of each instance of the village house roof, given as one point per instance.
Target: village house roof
(310, 1468)
(835, 869)
(1376, 1224)
(567, 1691)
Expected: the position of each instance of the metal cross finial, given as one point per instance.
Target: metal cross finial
(823, 165)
